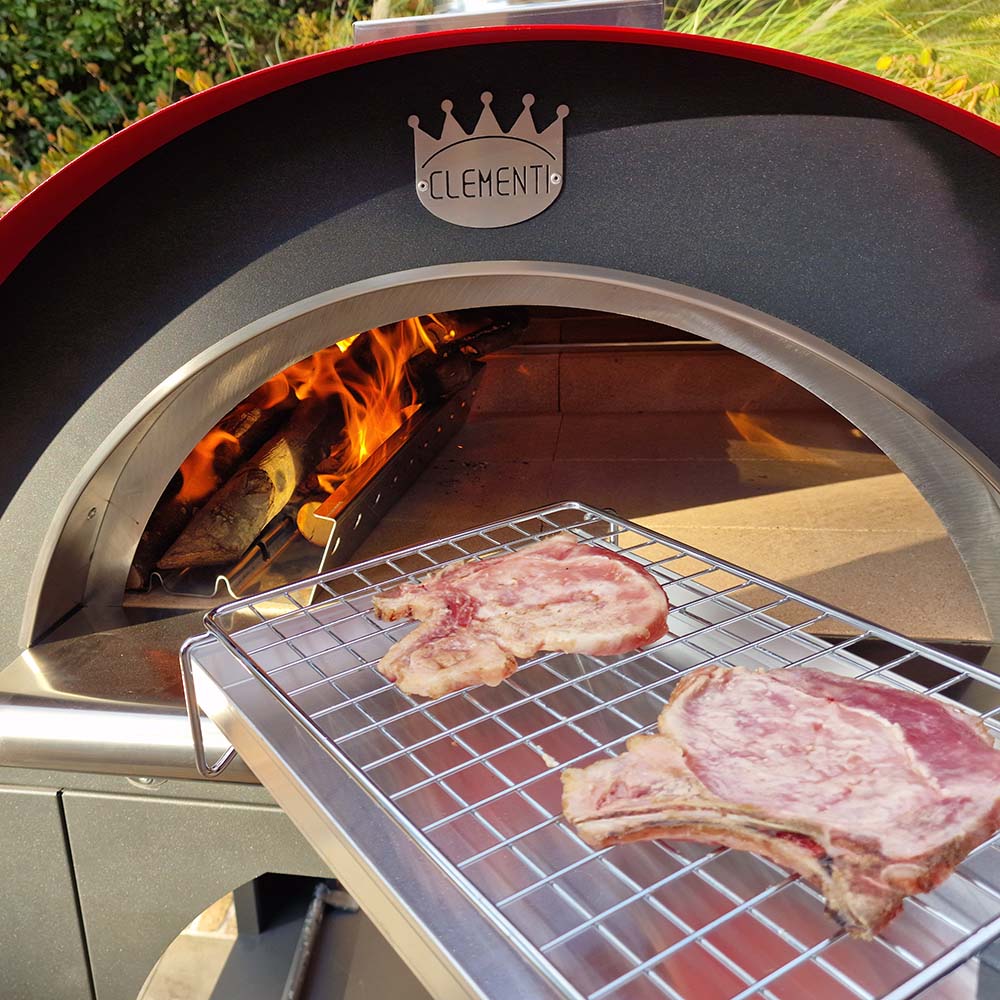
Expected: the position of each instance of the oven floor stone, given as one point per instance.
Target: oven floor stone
(801, 497)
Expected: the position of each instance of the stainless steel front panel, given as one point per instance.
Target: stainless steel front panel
(443, 816)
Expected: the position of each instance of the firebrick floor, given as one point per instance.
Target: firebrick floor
(800, 497)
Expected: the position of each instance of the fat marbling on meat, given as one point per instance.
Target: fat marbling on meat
(478, 617)
(868, 791)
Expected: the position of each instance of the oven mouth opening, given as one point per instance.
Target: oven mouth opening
(299, 474)
(135, 471)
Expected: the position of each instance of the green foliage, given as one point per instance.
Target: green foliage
(66, 144)
(71, 73)
(95, 62)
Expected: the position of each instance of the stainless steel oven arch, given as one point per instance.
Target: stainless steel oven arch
(118, 485)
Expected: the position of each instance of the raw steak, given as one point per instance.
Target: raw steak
(867, 791)
(479, 616)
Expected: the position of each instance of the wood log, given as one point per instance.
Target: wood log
(313, 529)
(165, 524)
(438, 375)
(236, 514)
(250, 426)
(497, 333)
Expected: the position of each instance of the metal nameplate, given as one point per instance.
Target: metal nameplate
(489, 178)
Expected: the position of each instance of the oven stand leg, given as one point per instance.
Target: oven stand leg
(247, 903)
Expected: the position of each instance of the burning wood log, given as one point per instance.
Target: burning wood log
(443, 373)
(242, 430)
(237, 513)
(251, 425)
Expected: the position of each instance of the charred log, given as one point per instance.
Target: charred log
(248, 426)
(166, 523)
(442, 373)
(237, 513)
(251, 425)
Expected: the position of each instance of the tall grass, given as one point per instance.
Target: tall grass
(952, 52)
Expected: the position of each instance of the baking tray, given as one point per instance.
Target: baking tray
(443, 816)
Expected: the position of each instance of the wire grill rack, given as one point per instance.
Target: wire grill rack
(473, 778)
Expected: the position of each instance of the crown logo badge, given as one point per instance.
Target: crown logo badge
(489, 178)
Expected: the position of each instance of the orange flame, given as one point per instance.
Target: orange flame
(375, 402)
(447, 331)
(375, 398)
(272, 393)
(198, 469)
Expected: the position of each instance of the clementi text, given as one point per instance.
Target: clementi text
(505, 182)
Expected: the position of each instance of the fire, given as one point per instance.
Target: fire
(375, 400)
(198, 469)
(312, 377)
(448, 332)
(370, 384)
(272, 393)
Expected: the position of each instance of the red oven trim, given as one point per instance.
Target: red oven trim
(42, 209)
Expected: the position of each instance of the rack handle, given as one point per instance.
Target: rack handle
(205, 769)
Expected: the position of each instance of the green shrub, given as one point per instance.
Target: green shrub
(94, 63)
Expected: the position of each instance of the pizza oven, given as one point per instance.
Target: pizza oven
(472, 255)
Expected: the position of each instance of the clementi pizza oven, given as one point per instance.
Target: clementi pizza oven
(600, 243)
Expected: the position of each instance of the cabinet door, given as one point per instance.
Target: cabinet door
(42, 953)
(147, 866)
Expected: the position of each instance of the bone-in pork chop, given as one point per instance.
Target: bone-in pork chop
(478, 617)
(868, 791)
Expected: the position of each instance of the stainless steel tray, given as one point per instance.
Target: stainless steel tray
(443, 817)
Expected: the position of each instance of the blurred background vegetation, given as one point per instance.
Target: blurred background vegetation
(74, 71)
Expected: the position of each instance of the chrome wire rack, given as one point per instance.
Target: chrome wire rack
(443, 816)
